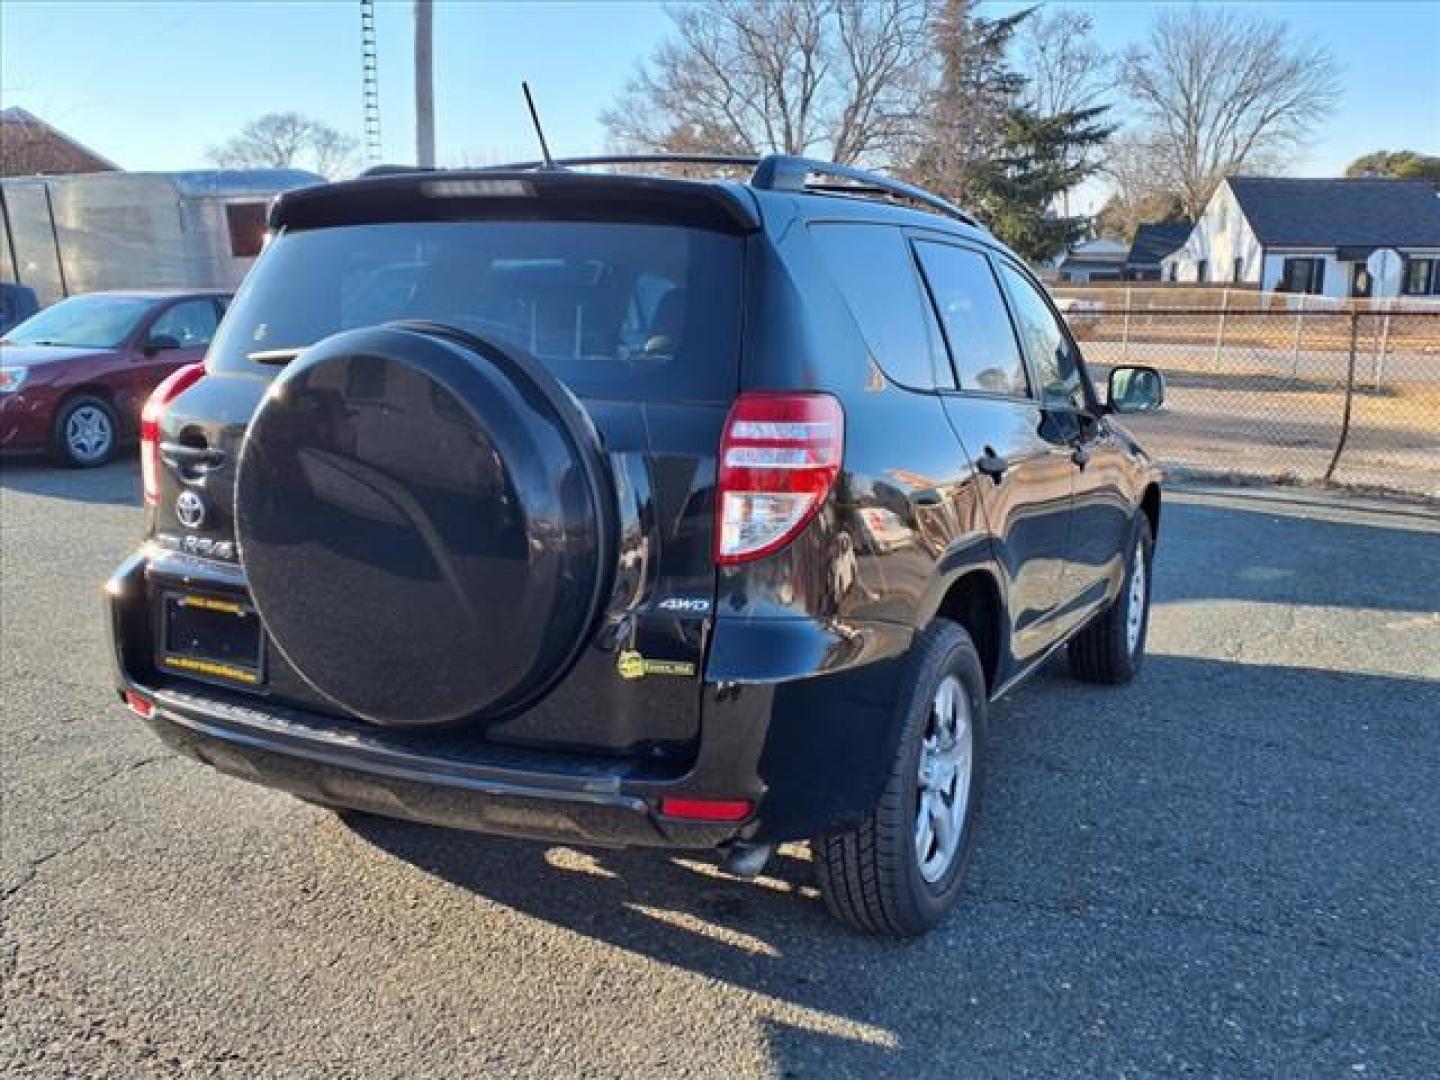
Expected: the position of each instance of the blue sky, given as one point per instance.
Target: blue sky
(151, 85)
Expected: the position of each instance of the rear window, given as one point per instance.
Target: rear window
(619, 311)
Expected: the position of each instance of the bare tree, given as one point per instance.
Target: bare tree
(286, 140)
(1065, 71)
(1223, 91)
(837, 77)
(1134, 166)
(1064, 68)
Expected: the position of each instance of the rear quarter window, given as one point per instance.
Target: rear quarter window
(872, 267)
(622, 311)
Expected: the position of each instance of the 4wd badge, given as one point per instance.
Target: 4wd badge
(631, 665)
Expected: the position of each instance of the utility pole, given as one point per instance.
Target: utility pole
(424, 83)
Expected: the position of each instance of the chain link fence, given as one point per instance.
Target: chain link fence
(1283, 393)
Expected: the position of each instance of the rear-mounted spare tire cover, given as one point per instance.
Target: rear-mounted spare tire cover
(426, 522)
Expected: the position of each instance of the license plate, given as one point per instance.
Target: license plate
(211, 637)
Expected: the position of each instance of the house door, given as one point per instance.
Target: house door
(1361, 283)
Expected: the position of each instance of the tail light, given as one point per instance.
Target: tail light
(175, 384)
(779, 458)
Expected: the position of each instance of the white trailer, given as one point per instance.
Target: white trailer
(135, 230)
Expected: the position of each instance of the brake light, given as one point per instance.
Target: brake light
(707, 809)
(175, 384)
(779, 458)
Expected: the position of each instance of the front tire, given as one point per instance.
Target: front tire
(87, 432)
(900, 871)
(1112, 648)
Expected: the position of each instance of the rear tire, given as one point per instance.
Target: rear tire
(899, 872)
(1112, 648)
(87, 432)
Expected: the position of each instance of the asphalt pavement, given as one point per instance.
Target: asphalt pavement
(1229, 868)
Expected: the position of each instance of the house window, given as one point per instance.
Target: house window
(1202, 271)
(1303, 276)
(1237, 270)
(1421, 278)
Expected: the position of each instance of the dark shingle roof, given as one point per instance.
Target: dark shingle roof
(1330, 213)
(1156, 240)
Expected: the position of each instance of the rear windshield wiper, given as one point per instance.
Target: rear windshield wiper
(276, 356)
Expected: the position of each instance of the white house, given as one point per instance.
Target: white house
(1314, 236)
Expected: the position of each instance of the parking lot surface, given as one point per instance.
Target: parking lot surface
(1231, 867)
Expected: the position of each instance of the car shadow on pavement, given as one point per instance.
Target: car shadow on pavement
(1136, 856)
(1179, 874)
(117, 483)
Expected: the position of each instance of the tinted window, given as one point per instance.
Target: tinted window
(191, 323)
(977, 326)
(628, 311)
(1050, 350)
(871, 265)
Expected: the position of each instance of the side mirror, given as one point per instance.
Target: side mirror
(159, 343)
(1135, 389)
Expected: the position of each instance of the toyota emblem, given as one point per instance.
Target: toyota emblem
(190, 509)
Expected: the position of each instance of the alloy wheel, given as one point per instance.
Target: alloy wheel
(943, 794)
(1135, 603)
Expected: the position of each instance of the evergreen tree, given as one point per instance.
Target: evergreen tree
(974, 91)
(1397, 164)
(985, 150)
(1040, 158)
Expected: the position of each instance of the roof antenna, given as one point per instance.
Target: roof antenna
(539, 131)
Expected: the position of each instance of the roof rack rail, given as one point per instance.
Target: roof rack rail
(773, 172)
(746, 160)
(784, 172)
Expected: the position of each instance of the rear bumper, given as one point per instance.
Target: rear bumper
(284, 752)
(807, 740)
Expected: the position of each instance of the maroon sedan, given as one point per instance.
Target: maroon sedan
(74, 377)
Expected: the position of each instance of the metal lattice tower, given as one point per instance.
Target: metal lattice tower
(370, 82)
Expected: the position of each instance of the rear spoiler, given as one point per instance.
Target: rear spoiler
(485, 195)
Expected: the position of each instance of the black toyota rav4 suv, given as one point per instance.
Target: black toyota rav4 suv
(636, 510)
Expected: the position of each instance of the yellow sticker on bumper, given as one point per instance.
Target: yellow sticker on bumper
(631, 665)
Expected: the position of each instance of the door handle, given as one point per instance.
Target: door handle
(992, 464)
(1081, 456)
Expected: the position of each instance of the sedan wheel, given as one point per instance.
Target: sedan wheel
(86, 434)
